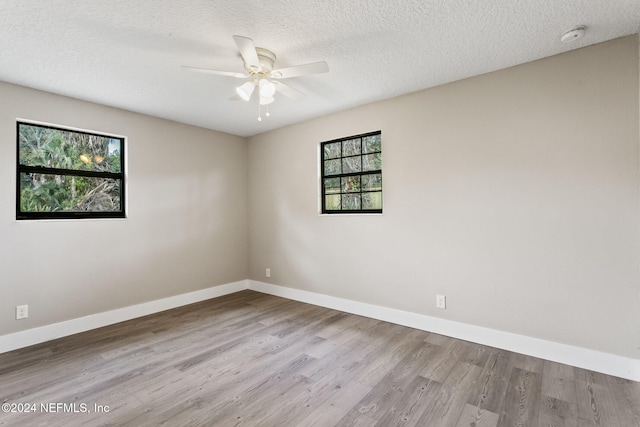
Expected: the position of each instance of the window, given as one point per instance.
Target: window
(352, 174)
(63, 173)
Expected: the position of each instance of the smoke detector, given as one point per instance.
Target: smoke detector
(573, 34)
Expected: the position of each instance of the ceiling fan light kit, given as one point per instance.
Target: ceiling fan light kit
(267, 89)
(259, 63)
(266, 100)
(245, 90)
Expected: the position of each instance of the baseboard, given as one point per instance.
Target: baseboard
(606, 363)
(57, 330)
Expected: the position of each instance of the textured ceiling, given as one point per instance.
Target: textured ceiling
(128, 53)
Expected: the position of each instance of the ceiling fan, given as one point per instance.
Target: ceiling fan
(259, 63)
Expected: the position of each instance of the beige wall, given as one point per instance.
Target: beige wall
(515, 194)
(186, 228)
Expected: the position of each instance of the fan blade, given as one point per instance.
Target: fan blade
(288, 91)
(301, 70)
(248, 52)
(219, 73)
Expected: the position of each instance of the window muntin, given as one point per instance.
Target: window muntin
(351, 175)
(63, 173)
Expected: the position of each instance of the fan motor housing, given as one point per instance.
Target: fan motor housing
(267, 58)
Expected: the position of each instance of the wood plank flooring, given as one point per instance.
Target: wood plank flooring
(250, 359)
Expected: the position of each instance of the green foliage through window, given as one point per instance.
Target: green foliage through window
(68, 174)
(352, 174)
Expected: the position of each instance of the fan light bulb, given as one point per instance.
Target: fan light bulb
(267, 89)
(264, 100)
(245, 90)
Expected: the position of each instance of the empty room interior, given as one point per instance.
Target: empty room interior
(320, 213)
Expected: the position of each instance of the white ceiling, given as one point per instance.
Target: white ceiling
(128, 53)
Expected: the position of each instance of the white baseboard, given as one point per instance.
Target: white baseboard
(69, 327)
(606, 363)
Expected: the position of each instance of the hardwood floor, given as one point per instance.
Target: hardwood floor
(252, 359)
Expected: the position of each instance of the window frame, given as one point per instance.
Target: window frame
(323, 194)
(20, 169)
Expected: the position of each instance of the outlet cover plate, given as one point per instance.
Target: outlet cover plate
(22, 312)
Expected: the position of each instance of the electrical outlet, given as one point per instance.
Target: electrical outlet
(22, 312)
(441, 301)
(267, 272)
